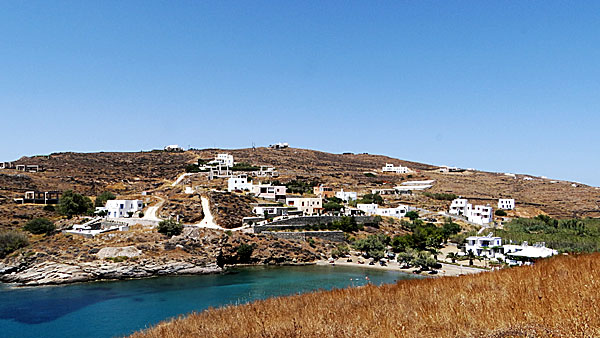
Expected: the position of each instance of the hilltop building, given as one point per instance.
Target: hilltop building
(391, 168)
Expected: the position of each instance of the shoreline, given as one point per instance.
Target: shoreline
(446, 270)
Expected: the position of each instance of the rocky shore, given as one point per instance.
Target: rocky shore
(65, 259)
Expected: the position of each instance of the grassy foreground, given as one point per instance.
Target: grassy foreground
(558, 297)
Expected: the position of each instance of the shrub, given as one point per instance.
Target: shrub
(49, 207)
(500, 212)
(340, 251)
(440, 196)
(412, 215)
(170, 228)
(244, 252)
(103, 197)
(39, 226)
(72, 203)
(11, 241)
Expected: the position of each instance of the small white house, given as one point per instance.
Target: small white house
(374, 209)
(346, 195)
(121, 208)
(391, 168)
(458, 206)
(506, 203)
(239, 183)
(308, 205)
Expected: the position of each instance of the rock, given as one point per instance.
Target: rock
(127, 251)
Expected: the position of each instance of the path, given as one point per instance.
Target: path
(208, 220)
(180, 178)
(151, 213)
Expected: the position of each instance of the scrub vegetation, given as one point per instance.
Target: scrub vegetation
(554, 298)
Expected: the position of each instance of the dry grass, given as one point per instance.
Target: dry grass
(554, 298)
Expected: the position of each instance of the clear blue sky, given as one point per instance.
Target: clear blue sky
(508, 86)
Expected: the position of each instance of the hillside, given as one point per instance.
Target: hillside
(554, 298)
(131, 173)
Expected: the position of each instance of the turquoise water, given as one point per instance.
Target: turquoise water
(107, 309)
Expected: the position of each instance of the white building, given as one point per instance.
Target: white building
(308, 205)
(479, 214)
(346, 195)
(121, 208)
(269, 192)
(485, 246)
(526, 254)
(223, 159)
(239, 183)
(274, 210)
(506, 203)
(374, 209)
(458, 206)
(391, 168)
(173, 147)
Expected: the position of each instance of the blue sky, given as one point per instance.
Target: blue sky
(500, 86)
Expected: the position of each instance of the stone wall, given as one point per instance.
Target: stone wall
(296, 223)
(333, 236)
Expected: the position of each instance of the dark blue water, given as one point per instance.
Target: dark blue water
(106, 309)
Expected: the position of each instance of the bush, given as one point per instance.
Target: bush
(11, 241)
(340, 251)
(244, 252)
(170, 228)
(39, 226)
(72, 203)
(500, 212)
(103, 197)
(412, 215)
(371, 198)
(440, 196)
(49, 207)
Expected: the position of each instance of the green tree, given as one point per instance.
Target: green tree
(170, 228)
(103, 197)
(244, 252)
(450, 228)
(406, 257)
(72, 203)
(340, 250)
(373, 246)
(39, 226)
(452, 256)
(11, 241)
(332, 206)
(500, 212)
(412, 215)
(424, 261)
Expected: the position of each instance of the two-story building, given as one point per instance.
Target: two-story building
(269, 192)
(506, 203)
(323, 191)
(372, 209)
(458, 206)
(485, 246)
(308, 205)
(122, 208)
(479, 214)
(391, 168)
(239, 183)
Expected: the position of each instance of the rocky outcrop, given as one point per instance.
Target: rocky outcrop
(127, 251)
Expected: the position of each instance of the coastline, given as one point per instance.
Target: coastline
(446, 270)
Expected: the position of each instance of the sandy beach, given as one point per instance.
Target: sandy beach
(446, 270)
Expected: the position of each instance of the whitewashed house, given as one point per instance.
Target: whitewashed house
(485, 246)
(458, 206)
(223, 159)
(346, 195)
(391, 168)
(506, 203)
(239, 183)
(308, 205)
(121, 208)
(479, 214)
(269, 192)
(374, 209)
(275, 210)
(526, 254)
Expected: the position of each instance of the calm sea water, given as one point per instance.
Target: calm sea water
(107, 309)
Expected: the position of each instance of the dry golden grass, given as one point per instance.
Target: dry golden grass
(554, 298)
